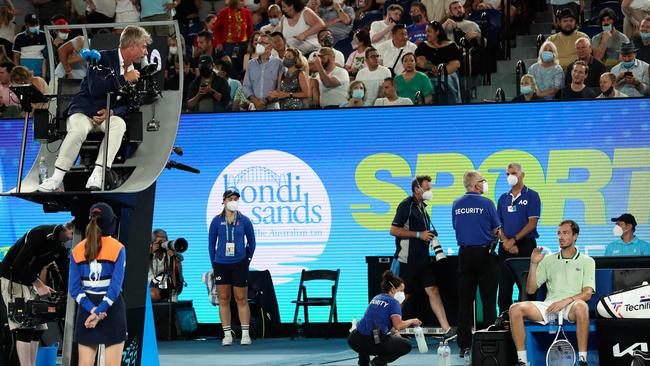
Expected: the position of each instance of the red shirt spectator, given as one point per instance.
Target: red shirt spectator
(234, 24)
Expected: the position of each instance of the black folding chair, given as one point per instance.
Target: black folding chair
(305, 301)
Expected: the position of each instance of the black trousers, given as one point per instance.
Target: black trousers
(506, 279)
(390, 349)
(477, 267)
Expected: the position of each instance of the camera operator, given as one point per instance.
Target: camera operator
(21, 273)
(165, 269)
(87, 111)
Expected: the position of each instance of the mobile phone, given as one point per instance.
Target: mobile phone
(628, 73)
(204, 85)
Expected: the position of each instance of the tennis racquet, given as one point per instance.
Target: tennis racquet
(561, 352)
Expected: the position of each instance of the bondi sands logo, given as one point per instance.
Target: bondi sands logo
(287, 204)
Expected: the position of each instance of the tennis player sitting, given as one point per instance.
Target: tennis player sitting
(570, 278)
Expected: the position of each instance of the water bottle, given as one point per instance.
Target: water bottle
(446, 354)
(299, 328)
(42, 170)
(422, 343)
(440, 352)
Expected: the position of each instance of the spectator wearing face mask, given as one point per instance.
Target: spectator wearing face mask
(357, 95)
(357, 59)
(373, 75)
(390, 95)
(294, 85)
(381, 30)
(338, 18)
(607, 82)
(635, 11)
(413, 84)
(326, 39)
(275, 16)
(642, 41)
(250, 50)
(262, 75)
(333, 81)
(528, 88)
(631, 73)
(607, 44)
(627, 243)
(209, 92)
(578, 89)
(566, 38)
(29, 47)
(383, 317)
(418, 30)
(547, 72)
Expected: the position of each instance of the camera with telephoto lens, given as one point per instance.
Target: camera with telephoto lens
(179, 245)
(435, 247)
(31, 313)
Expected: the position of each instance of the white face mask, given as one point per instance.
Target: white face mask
(63, 35)
(259, 49)
(512, 180)
(173, 50)
(400, 296)
(427, 195)
(485, 187)
(232, 206)
(618, 231)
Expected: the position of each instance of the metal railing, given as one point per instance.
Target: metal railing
(520, 70)
(443, 84)
(500, 96)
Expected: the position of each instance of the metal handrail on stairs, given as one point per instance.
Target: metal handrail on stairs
(500, 96)
(442, 71)
(520, 70)
(540, 41)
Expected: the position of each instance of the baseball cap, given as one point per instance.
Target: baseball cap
(62, 22)
(626, 218)
(205, 59)
(230, 192)
(106, 220)
(566, 13)
(31, 19)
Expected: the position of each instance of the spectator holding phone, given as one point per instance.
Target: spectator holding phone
(210, 92)
(381, 30)
(631, 73)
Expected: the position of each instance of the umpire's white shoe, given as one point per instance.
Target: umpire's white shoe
(51, 184)
(227, 339)
(245, 340)
(95, 181)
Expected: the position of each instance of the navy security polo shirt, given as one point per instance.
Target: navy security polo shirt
(514, 212)
(414, 217)
(474, 218)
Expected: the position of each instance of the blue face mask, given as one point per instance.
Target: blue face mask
(645, 36)
(33, 30)
(607, 28)
(547, 56)
(526, 89)
(357, 94)
(628, 64)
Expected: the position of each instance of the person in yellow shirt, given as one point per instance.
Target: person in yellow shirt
(565, 40)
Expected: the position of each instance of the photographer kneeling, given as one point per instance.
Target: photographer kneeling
(165, 269)
(377, 332)
(20, 280)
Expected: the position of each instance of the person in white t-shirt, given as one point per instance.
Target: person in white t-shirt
(391, 98)
(373, 75)
(392, 51)
(635, 11)
(380, 30)
(333, 81)
(326, 39)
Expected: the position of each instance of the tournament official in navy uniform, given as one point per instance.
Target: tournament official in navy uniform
(413, 232)
(519, 212)
(476, 223)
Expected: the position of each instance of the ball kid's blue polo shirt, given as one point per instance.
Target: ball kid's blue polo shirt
(474, 218)
(514, 212)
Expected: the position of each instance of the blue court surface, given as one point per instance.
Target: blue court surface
(283, 351)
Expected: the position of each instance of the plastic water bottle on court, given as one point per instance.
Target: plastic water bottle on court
(42, 170)
(300, 332)
(467, 356)
(446, 354)
(422, 343)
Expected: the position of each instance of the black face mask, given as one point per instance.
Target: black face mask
(205, 71)
(459, 18)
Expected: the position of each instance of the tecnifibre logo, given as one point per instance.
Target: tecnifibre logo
(287, 203)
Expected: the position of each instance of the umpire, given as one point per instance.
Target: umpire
(476, 222)
(519, 212)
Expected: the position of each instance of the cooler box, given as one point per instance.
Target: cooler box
(493, 348)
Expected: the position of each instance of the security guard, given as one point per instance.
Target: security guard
(519, 212)
(476, 223)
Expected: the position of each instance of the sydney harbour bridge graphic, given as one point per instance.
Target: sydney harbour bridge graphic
(258, 174)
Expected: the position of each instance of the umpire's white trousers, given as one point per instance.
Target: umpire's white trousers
(78, 127)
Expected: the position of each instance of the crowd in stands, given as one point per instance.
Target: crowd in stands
(292, 54)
